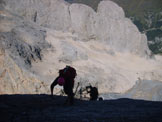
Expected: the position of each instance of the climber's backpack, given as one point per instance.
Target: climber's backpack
(68, 72)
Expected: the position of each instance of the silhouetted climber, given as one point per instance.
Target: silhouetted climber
(66, 79)
(93, 92)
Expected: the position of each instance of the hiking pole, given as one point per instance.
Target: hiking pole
(76, 89)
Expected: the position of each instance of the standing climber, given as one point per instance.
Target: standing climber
(66, 79)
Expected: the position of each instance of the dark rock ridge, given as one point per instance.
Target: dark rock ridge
(18, 108)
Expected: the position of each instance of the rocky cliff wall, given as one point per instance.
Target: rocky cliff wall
(108, 24)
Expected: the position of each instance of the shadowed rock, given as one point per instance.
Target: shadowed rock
(44, 108)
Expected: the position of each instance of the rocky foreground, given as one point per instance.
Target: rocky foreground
(43, 108)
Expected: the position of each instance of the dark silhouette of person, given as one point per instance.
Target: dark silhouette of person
(66, 79)
(93, 91)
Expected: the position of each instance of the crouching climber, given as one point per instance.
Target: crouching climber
(93, 91)
(66, 79)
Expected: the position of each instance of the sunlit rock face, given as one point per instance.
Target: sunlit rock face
(107, 25)
(21, 43)
(47, 13)
(39, 37)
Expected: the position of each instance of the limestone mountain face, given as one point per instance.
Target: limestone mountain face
(14, 80)
(21, 43)
(37, 38)
(107, 25)
(48, 13)
(145, 14)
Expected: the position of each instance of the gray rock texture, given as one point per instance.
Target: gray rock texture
(22, 39)
(49, 13)
(21, 43)
(82, 21)
(107, 25)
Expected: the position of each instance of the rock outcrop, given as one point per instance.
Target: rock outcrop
(39, 37)
(16, 80)
(21, 44)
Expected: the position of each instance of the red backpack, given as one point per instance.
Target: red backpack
(68, 72)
